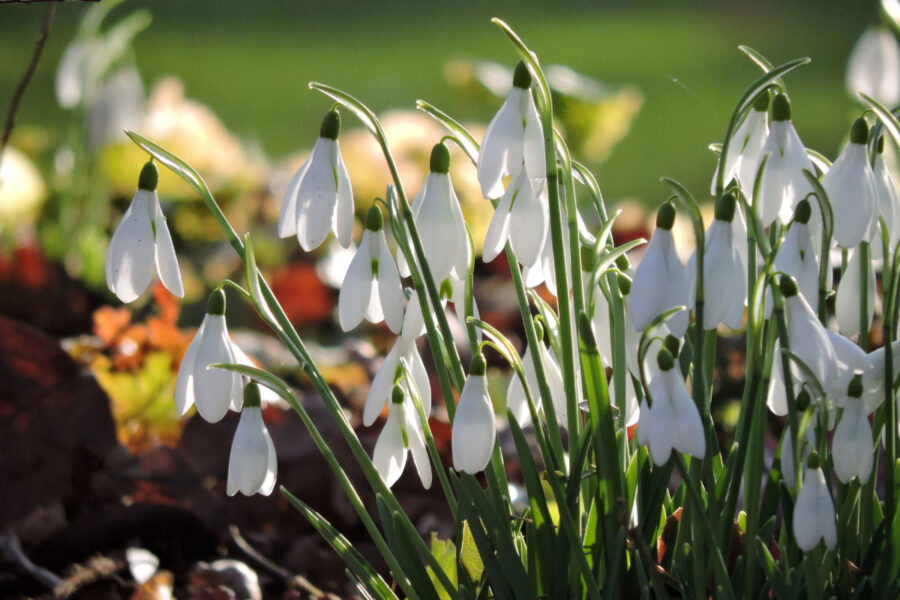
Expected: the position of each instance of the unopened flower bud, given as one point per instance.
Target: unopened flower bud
(665, 360)
(216, 303)
(665, 217)
(331, 125)
(859, 131)
(440, 159)
(374, 218)
(781, 108)
(521, 77)
(149, 177)
(725, 207)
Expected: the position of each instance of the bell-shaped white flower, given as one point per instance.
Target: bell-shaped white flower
(849, 360)
(404, 349)
(523, 218)
(850, 184)
(874, 67)
(474, 428)
(140, 243)
(372, 286)
(514, 140)
(659, 282)
(886, 198)
(724, 274)
(809, 340)
(849, 295)
(853, 449)
(814, 517)
(672, 420)
(873, 378)
(797, 257)
(745, 148)
(402, 435)
(783, 184)
(319, 197)
(214, 391)
(439, 220)
(517, 402)
(252, 465)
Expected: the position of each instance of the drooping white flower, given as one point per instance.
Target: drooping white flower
(849, 360)
(745, 148)
(439, 221)
(853, 448)
(850, 184)
(783, 184)
(849, 295)
(874, 67)
(672, 420)
(402, 435)
(873, 378)
(372, 286)
(140, 243)
(513, 141)
(808, 338)
(474, 429)
(797, 257)
(724, 274)
(659, 282)
(814, 518)
(886, 198)
(523, 218)
(319, 197)
(517, 402)
(214, 391)
(252, 465)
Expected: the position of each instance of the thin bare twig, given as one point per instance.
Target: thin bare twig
(39, 44)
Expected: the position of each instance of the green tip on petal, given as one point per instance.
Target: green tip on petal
(216, 303)
(725, 206)
(587, 259)
(374, 218)
(251, 394)
(672, 344)
(812, 461)
(397, 395)
(761, 104)
(477, 366)
(781, 108)
(879, 145)
(440, 159)
(149, 177)
(855, 389)
(446, 290)
(803, 212)
(331, 125)
(802, 401)
(788, 286)
(859, 131)
(521, 77)
(665, 360)
(665, 218)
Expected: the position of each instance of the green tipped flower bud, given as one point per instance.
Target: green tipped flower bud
(623, 263)
(879, 146)
(440, 159)
(761, 104)
(725, 206)
(665, 217)
(149, 177)
(803, 212)
(624, 285)
(331, 125)
(859, 131)
(397, 395)
(813, 461)
(788, 286)
(781, 108)
(855, 389)
(538, 330)
(374, 218)
(216, 303)
(665, 360)
(672, 344)
(521, 77)
(587, 259)
(251, 394)
(477, 366)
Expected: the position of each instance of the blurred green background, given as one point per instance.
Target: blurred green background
(250, 62)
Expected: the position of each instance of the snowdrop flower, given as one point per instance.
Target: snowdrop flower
(658, 283)
(783, 183)
(371, 286)
(849, 360)
(886, 198)
(814, 518)
(523, 218)
(404, 349)
(514, 140)
(797, 256)
(850, 184)
(776, 397)
(873, 378)
(214, 391)
(252, 466)
(516, 400)
(474, 429)
(745, 148)
(874, 67)
(724, 273)
(439, 220)
(402, 435)
(853, 447)
(671, 421)
(319, 197)
(849, 294)
(808, 337)
(140, 243)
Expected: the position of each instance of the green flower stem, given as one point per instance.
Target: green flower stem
(793, 417)
(890, 406)
(864, 296)
(620, 364)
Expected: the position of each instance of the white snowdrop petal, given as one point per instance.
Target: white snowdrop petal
(287, 216)
(417, 447)
(390, 290)
(648, 297)
(502, 148)
(184, 384)
(874, 67)
(437, 225)
(528, 224)
(849, 295)
(382, 386)
(850, 183)
(131, 254)
(249, 460)
(165, 259)
(474, 431)
(601, 325)
(342, 220)
(557, 386)
(317, 195)
(659, 418)
(688, 428)
(413, 322)
(213, 388)
(271, 476)
(516, 401)
(356, 291)
(420, 376)
(498, 230)
(806, 517)
(776, 399)
(853, 446)
(534, 152)
(389, 455)
(809, 342)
